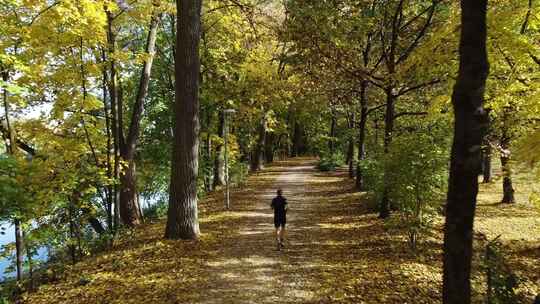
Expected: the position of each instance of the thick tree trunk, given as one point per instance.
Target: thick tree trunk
(384, 211)
(182, 217)
(129, 202)
(219, 163)
(470, 122)
(508, 189)
(362, 136)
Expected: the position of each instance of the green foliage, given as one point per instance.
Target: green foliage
(157, 210)
(417, 174)
(7, 291)
(331, 162)
(238, 172)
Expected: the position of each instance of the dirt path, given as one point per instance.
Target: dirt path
(250, 268)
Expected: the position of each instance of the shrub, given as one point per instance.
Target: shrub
(331, 162)
(416, 168)
(238, 173)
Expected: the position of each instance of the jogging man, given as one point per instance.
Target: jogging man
(279, 204)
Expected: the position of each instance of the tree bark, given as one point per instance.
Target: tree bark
(257, 161)
(219, 167)
(362, 136)
(114, 125)
(269, 147)
(350, 148)
(129, 203)
(19, 260)
(110, 188)
(469, 125)
(208, 184)
(30, 264)
(297, 144)
(332, 135)
(508, 189)
(182, 217)
(486, 164)
(384, 211)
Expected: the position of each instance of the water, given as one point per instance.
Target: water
(7, 237)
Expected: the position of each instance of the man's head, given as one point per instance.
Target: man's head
(279, 192)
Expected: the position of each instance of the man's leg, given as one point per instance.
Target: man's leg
(282, 234)
(277, 236)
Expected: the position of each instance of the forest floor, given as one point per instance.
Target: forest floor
(337, 251)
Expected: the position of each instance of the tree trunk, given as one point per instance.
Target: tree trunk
(107, 110)
(219, 167)
(508, 189)
(470, 122)
(269, 147)
(350, 149)
(208, 184)
(486, 164)
(384, 211)
(30, 265)
(182, 216)
(129, 203)
(257, 161)
(332, 135)
(362, 136)
(113, 95)
(297, 140)
(19, 260)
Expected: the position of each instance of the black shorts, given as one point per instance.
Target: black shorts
(280, 221)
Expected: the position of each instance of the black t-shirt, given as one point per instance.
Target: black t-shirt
(279, 204)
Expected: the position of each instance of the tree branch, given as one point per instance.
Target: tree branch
(421, 34)
(22, 145)
(417, 87)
